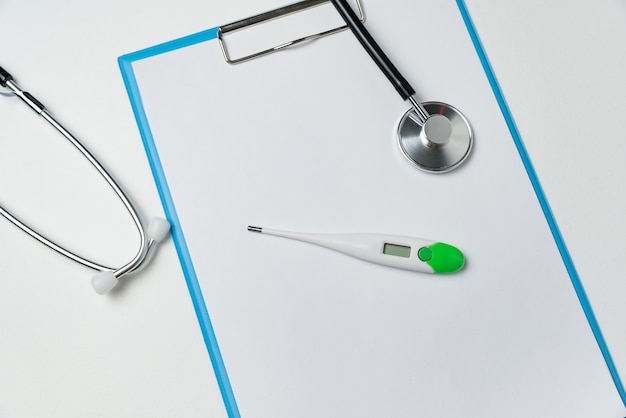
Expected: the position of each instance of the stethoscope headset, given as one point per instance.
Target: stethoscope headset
(150, 236)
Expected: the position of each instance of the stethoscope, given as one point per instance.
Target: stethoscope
(150, 236)
(433, 136)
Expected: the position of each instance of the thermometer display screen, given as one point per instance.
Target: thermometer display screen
(397, 250)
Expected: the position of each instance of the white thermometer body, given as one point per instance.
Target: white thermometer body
(416, 254)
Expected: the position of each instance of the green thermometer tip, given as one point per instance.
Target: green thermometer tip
(443, 258)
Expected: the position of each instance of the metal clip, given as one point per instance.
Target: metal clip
(274, 14)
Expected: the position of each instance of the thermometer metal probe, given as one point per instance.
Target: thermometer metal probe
(415, 254)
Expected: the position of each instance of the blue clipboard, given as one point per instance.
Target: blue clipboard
(145, 117)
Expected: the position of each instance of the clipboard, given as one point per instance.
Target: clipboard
(304, 139)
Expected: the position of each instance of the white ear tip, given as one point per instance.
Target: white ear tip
(103, 282)
(158, 229)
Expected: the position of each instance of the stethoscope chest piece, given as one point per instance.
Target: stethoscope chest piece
(439, 144)
(435, 137)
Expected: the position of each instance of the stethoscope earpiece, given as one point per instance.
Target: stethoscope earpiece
(440, 143)
(105, 281)
(158, 228)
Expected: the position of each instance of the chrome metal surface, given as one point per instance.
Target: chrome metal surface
(437, 131)
(275, 14)
(144, 245)
(420, 113)
(438, 145)
(17, 91)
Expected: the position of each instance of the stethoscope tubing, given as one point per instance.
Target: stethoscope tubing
(145, 245)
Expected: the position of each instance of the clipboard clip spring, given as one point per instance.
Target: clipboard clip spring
(275, 14)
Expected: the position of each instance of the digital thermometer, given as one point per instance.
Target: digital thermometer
(407, 253)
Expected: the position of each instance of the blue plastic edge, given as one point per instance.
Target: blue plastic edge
(126, 66)
(558, 238)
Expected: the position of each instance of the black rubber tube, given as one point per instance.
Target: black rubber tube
(4, 77)
(391, 72)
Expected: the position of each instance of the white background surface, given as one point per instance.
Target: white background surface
(65, 351)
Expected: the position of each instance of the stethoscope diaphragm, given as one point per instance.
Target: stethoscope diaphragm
(439, 144)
